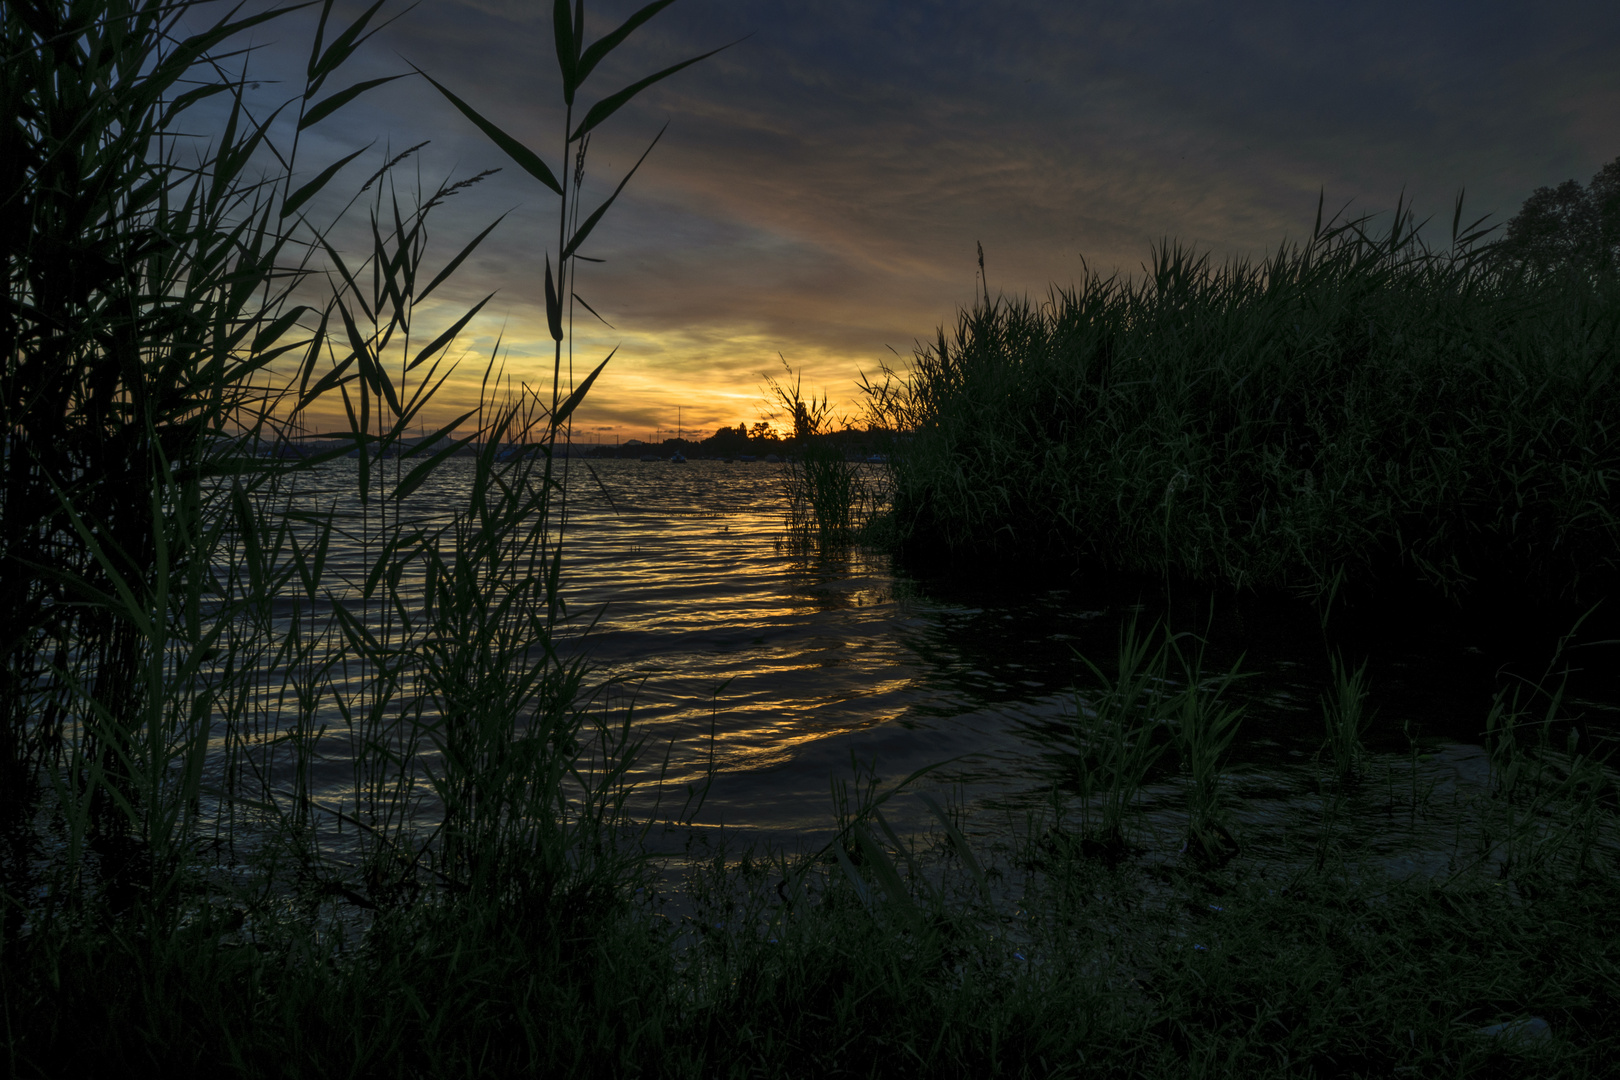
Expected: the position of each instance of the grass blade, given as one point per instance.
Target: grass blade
(608, 42)
(590, 222)
(613, 103)
(526, 159)
(567, 408)
(330, 105)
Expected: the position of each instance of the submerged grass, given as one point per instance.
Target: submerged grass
(1357, 409)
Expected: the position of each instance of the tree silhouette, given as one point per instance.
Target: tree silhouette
(1569, 227)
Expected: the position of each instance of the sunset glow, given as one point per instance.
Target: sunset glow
(822, 184)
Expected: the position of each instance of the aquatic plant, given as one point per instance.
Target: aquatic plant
(1113, 743)
(1115, 735)
(1204, 724)
(153, 285)
(829, 498)
(1345, 719)
(1358, 407)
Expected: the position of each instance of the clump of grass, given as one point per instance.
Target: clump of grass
(1204, 727)
(155, 346)
(1325, 975)
(829, 497)
(1358, 407)
(1113, 744)
(1345, 720)
(879, 953)
(1552, 803)
(1115, 737)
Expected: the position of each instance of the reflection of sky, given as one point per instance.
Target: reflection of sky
(796, 669)
(823, 183)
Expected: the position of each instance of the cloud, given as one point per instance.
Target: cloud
(822, 184)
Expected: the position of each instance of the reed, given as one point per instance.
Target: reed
(900, 955)
(154, 289)
(192, 646)
(1550, 801)
(1359, 407)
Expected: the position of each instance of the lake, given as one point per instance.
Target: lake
(701, 616)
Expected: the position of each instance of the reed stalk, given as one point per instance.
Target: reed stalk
(1205, 725)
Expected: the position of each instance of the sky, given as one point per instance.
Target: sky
(822, 184)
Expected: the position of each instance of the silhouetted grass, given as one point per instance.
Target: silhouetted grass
(1345, 719)
(191, 636)
(830, 499)
(1358, 404)
(881, 956)
(1040, 955)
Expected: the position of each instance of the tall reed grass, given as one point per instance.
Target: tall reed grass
(1360, 404)
(199, 630)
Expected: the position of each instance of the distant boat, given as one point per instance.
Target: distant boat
(772, 457)
(746, 457)
(651, 457)
(878, 459)
(680, 435)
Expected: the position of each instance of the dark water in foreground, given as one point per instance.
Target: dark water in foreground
(793, 662)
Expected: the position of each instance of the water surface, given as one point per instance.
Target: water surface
(790, 665)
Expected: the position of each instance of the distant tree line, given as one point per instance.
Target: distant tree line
(741, 439)
(759, 439)
(1567, 228)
